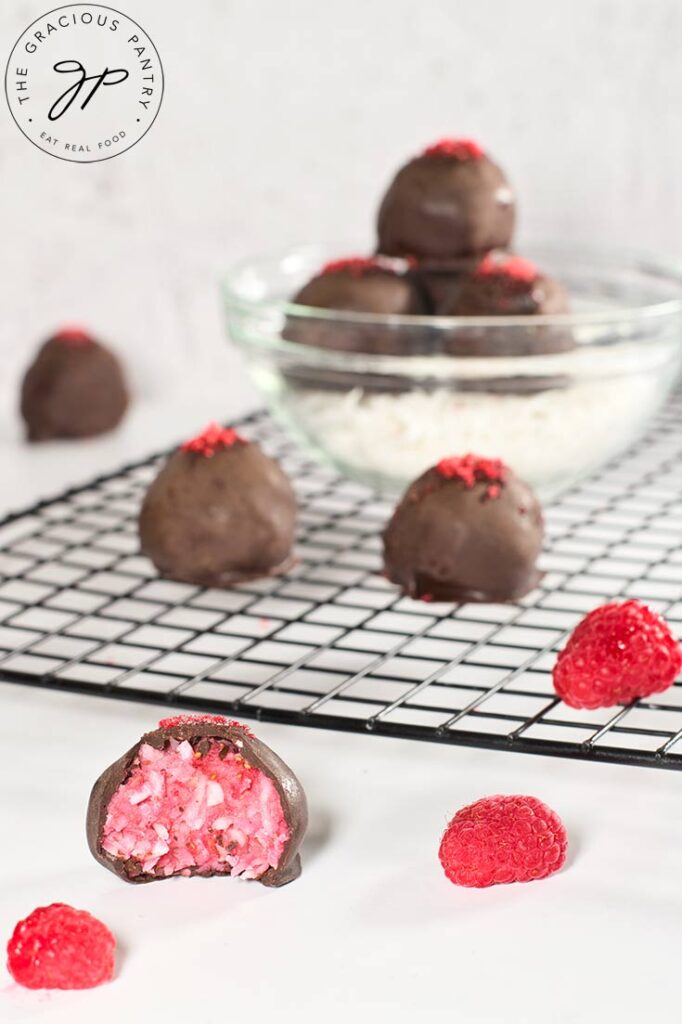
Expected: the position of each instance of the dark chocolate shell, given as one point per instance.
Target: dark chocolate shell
(450, 541)
(218, 521)
(73, 391)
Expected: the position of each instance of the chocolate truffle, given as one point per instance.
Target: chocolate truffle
(358, 285)
(74, 388)
(219, 512)
(449, 202)
(199, 795)
(505, 285)
(466, 530)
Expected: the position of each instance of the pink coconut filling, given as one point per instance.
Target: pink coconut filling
(183, 812)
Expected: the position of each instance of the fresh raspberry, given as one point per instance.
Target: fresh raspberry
(617, 653)
(502, 839)
(59, 947)
(212, 439)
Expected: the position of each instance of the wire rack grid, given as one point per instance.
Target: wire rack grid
(332, 644)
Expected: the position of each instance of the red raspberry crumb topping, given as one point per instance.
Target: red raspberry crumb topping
(502, 839)
(516, 268)
(473, 469)
(615, 654)
(171, 723)
(59, 947)
(73, 335)
(212, 439)
(355, 265)
(460, 149)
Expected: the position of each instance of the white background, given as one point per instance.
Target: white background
(282, 121)
(372, 930)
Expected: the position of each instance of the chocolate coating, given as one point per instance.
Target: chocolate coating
(441, 280)
(256, 753)
(369, 288)
(73, 390)
(499, 295)
(489, 294)
(219, 520)
(443, 207)
(449, 542)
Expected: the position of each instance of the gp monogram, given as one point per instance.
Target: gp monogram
(84, 82)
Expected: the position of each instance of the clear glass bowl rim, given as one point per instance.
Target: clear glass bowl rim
(645, 263)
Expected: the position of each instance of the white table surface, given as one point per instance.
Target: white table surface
(372, 927)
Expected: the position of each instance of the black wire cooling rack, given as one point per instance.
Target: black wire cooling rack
(332, 644)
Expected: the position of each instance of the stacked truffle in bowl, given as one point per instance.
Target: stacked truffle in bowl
(446, 339)
(450, 213)
(444, 230)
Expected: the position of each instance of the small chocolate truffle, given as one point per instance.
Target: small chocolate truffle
(199, 795)
(74, 388)
(507, 286)
(359, 285)
(466, 530)
(449, 202)
(219, 512)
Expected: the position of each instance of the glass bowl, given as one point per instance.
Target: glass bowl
(381, 398)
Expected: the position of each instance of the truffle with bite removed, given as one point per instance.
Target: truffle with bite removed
(199, 795)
